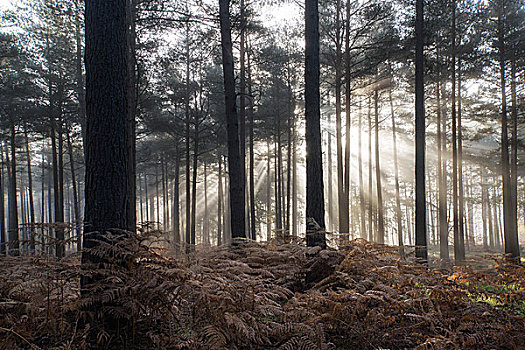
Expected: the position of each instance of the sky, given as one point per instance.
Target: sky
(5, 4)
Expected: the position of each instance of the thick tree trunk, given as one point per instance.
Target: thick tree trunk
(235, 163)
(107, 144)
(421, 228)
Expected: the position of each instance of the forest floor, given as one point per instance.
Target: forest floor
(264, 296)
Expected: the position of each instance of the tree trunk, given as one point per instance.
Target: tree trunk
(348, 122)
(380, 219)
(30, 189)
(343, 209)
(510, 233)
(107, 133)
(399, 215)
(14, 244)
(514, 150)
(176, 201)
(268, 194)
(252, 158)
(461, 199)
(421, 228)
(242, 105)
(219, 204)
(235, 163)
(76, 207)
(442, 175)
(205, 224)
(371, 237)
(331, 217)
(361, 185)
(3, 246)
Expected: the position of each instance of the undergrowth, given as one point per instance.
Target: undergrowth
(254, 296)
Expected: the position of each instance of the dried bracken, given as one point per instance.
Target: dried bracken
(254, 296)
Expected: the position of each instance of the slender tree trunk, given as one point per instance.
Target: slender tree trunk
(176, 201)
(30, 189)
(3, 245)
(361, 185)
(514, 148)
(79, 77)
(163, 181)
(268, 194)
(252, 157)
(288, 160)
(510, 233)
(235, 163)
(421, 228)
(470, 215)
(294, 181)
(242, 105)
(141, 204)
(219, 204)
(371, 237)
(132, 97)
(461, 198)
(348, 124)
(343, 208)
(380, 221)
(399, 215)
(76, 207)
(14, 244)
(489, 216)
(484, 201)
(330, 211)
(157, 196)
(442, 176)
(205, 225)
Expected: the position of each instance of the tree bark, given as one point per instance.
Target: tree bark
(510, 233)
(421, 228)
(76, 207)
(3, 245)
(236, 173)
(30, 189)
(107, 133)
(380, 217)
(14, 244)
(399, 215)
